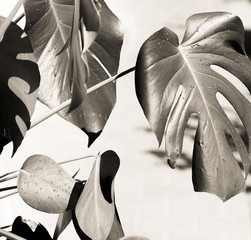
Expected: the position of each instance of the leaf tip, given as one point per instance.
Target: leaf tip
(172, 163)
(171, 159)
(91, 136)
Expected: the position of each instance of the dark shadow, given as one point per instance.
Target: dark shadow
(248, 42)
(184, 162)
(248, 189)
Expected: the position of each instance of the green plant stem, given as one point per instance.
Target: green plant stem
(10, 235)
(8, 20)
(67, 103)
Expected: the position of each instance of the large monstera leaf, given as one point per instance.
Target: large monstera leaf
(164, 66)
(19, 83)
(49, 25)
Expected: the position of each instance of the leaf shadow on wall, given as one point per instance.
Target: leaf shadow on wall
(185, 160)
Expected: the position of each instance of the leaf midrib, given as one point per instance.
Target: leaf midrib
(55, 14)
(204, 101)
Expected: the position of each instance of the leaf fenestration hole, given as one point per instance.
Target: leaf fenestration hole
(232, 79)
(232, 116)
(237, 123)
(234, 151)
(21, 125)
(227, 106)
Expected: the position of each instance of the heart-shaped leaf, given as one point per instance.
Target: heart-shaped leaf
(163, 66)
(45, 186)
(29, 230)
(49, 27)
(19, 83)
(95, 212)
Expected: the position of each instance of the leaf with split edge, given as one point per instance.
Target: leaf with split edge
(95, 212)
(19, 83)
(163, 65)
(103, 61)
(46, 186)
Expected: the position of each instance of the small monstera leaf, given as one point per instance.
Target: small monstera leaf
(163, 66)
(45, 186)
(19, 83)
(50, 27)
(28, 229)
(95, 216)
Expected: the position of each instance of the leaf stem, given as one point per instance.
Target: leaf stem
(8, 188)
(8, 194)
(67, 102)
(8, 20)
(10, 235)
(7, 226)
(6, 176)
(76, 159)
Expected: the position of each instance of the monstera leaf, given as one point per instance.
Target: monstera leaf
(164, 66)
(49, 26)
(95, 216)
(19, 82)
